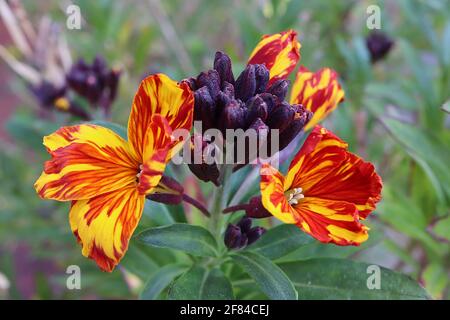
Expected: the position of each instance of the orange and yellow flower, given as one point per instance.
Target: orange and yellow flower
(319, 92)
(106, 177)
(279, 52)
(326, 192)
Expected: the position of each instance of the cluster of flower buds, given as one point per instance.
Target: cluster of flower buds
(240, 235)
(248, 102)
(49, 96)
(203, 169)
(96, 82)
(379, 44)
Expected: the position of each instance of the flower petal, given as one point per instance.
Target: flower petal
(104, 224)
(157, 151)
(158, 94)
(321, 153)
(330, 221)
(280, 53)
(87, 160)
(319, 92)
(272, 194)
(324, 168)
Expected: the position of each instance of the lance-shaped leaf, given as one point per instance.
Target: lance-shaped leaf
(269, 277)
(279, 241)
(188, 238)
(199, 283)
(330, 278)
(160, 280)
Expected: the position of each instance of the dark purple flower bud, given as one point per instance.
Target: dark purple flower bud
(165, 198)
(198, 166)
(379, 44)
(204, 108)
(254, 234)
(245, 224)
(246, 84)
(281, 116)
(222, 64)
(233, 116)
(279, 89)
(301, 118)
(211, 80)
(192, 83)
(243, 241)
(233, 236)
(270, 100)
(262, 78)
(256, 210)
(112, 81)
(228, 89)
(257, 108)
(78, 111)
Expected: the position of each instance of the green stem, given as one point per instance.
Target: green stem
(219, 202)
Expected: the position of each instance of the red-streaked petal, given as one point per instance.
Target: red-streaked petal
(272, 194)
(104, 224)
(157, 151)
(87, 160)
(322, 153)
(324, 168)
(354, 181)
(331, 221)
(280, 52)
(158, 94)
(319, 92)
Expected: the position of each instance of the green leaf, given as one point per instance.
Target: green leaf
(427, 150)
(160, 280)
(279, 241)
(329, 278)
(436, 279)
(269, 277)
(138, 262)
(117, 128)
(188, 238)
(199, 283)
(442, 229)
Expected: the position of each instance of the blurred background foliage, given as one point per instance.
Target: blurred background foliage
(396, 115)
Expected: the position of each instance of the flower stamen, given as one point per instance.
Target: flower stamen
(293, 196)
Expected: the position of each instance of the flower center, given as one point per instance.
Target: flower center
(138, 175)
(294, 195)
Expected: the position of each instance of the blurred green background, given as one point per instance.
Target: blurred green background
(396, 115)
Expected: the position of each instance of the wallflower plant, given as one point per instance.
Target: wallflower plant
(325, 195)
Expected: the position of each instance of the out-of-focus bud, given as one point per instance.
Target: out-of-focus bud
(198, 166)
(262, 78)
(211, 80)
(233, 237)
(246, 84)
(379, 44)
(95, 82)
(255, 209)
(301, 118)
(254, 234)
(281, 116)
(50, 96)
(222, 64)
(279, 89)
